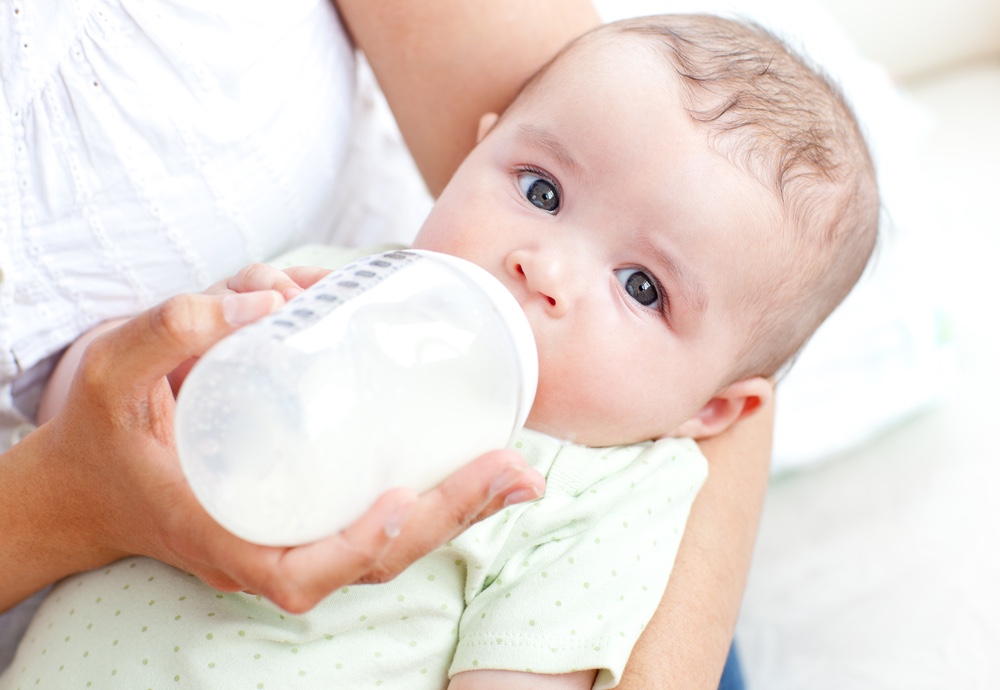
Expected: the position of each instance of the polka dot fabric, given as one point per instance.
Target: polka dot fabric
(580, 571)
(564, 583)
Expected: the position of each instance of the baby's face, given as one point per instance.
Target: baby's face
(627, 241)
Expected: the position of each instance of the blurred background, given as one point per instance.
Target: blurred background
(877, 564)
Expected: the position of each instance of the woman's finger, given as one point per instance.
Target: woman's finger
(298, 578)
(396, 531)
(474, 492)
(289, 282)
(147, 347)
(263, 277)
(307, 276)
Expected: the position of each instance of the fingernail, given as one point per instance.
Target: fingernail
(397, 518)
(505, 480)
(292, 292)
(521, 496)
(242, 308)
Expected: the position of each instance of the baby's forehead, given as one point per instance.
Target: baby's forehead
(578, 60)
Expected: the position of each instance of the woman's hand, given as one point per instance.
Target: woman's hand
(101, 479)
(289, 282)
(256, 277)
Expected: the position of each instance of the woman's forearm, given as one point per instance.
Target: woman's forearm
(41, 535)
(686, 643)
(444, 64)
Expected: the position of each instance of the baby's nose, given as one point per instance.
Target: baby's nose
(544, 278)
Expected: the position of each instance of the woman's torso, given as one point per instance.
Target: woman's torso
(150, 148)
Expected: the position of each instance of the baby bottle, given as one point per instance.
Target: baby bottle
(392, 371)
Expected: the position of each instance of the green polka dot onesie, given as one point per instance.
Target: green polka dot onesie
(561, 584)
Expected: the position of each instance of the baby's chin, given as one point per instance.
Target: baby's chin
(594, 435)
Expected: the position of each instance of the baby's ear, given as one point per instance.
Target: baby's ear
(738, 400)
(486, 123)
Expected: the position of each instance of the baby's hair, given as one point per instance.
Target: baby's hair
(780, 120)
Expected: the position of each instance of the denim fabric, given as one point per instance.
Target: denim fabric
(732, 674)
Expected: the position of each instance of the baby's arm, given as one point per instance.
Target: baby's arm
(517, 680)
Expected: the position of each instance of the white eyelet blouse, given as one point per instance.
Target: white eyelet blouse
(149, 148)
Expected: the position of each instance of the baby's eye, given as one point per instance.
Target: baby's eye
(539, 191)
(639, 286)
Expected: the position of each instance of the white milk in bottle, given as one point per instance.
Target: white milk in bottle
(392, 371)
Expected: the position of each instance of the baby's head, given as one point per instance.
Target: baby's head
(677, 203)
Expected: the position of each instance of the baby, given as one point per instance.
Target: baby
(677, 203)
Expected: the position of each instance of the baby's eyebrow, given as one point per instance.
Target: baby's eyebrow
(692, 293)
(533, 135)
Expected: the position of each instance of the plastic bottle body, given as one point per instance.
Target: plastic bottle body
(393, 371)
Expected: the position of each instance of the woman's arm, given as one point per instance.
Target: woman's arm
(686, 643)
(444, 64)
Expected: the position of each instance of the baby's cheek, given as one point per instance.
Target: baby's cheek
(549, 407)
(566, 405)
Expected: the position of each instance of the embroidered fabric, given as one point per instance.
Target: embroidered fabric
(151, 148)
